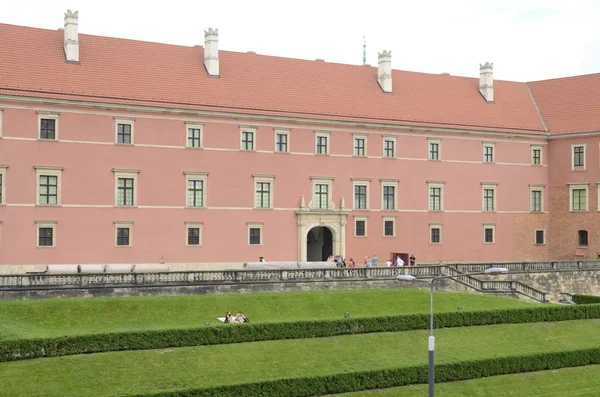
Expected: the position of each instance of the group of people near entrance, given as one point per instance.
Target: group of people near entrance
(370, 262)
(238, 319)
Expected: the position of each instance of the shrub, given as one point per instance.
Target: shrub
(11, 350)
(586, 299)
(385, 378)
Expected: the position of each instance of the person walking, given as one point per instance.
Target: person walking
(367, 261)
(375, 260)
(399, 261)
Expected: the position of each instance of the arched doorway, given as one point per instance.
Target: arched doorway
(319, 244)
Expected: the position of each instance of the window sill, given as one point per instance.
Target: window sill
(360, 157)
(384, 210)
(578, 211)
(124, 144)
(489, 212)
(360, 236)
(255, 245)
(249, 151)
(389, 158)
(430, 243)
(276, 152)
(123, 246)
(45, 246)
(540, 245)
(194, 245)
(264, 208)
(48, 205)
(489, 242)
(194, 147)
(488, 162)
(435, 210)
(47, 140)
(438, 160)
(537, 165)
(125, 206)
(192, 207)
(536, 212)
(389, 236)
(321, 154)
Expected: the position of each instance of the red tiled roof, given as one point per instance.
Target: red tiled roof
(123, 71)
(569, 105)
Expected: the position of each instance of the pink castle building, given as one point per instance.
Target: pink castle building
(121, 151)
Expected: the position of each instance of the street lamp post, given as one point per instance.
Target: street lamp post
(431, 340)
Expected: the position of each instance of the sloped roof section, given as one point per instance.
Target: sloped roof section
(120, 71)
(569, 105)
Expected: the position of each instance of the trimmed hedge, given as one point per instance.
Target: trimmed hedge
(586, 299)
(386, 378)
(11, 350)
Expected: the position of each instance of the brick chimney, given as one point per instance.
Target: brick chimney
(486, 81)
(71, 36)
(211, 51)
(384, 71)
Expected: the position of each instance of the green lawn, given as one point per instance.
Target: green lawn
(122, 373)
(59, 317)
(571, 382)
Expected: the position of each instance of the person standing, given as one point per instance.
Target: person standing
(367, 261)
(375, 260)
(412, 260)
(388, 263)
(399, 261)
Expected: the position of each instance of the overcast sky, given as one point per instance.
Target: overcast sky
(527, 39)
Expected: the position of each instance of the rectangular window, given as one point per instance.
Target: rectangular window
(488, 233)
(47, 128)
(193, 236)
(123, 236)
(536, 156)
(389, 227)
(321, 196)
(540, 237)
(360, 197)
(389, 197)
(1, 187)
(48, 190)
(263, 195)
(361, 228)
(536, 201)
(195, 193)
(322, 144)
(434, 150)
(124, 133)
(248, 140)
(46, 233)
(489, 198)
(194, 137)
(255, 236)
(125, 191)
(281, 142)
(579, 199)
(435, 234)
(46, 237)
(488, 153)
(359, 146)
(578, 156)
(389, 148)
(435, 198)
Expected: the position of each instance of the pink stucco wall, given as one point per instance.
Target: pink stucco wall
(85, 230)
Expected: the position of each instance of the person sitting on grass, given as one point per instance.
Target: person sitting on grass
(240, 318)
(228, 317)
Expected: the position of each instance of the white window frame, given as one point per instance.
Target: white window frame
(577, 186)
(439, 143)
(361, 182)
(327, 147)
(45, 224)
(255, 225)
(436, 226)
(435, 184)
(193, 225)
(282, 132)
(484, 187)
(541, 149)
(1, 111)
(126, 121)
(122, 173)
(48, 171)
(389, 139)
(48, 115)
(119, 225)
(363, 137)
(579, 167)
(195, 126)
(321, 180)
(489, 226)
(3, 169)
(536, 188)
(394, 183)
(264, 179)
(366, 220)
(196, 176)
(535, 236)
(490, 145)
(389, 219)
(254, 138)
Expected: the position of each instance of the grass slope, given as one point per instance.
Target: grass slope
(149, 371)
(56, 317)
(572, 382)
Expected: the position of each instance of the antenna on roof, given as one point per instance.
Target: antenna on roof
(364, 50)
